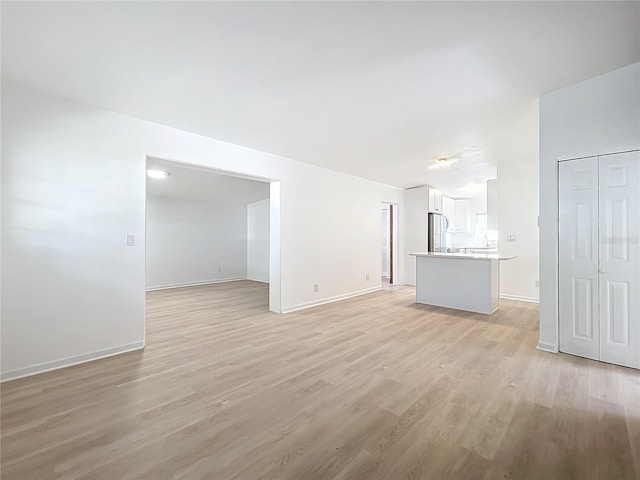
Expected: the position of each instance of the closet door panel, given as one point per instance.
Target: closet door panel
(578, 258)
(619, 256)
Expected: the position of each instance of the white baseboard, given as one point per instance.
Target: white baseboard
(256, 280)
(336, 298)
(519, 298)
(547, 347)
(194, 284)
(69, 361)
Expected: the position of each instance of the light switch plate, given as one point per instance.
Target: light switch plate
(131, 240)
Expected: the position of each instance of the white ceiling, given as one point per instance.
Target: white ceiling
(200, 184)
(375, 89)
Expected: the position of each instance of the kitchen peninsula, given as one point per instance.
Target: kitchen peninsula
(463, 281)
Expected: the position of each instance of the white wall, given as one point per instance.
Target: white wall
(595, 116)
(415, 223)
(73, 183)
(191, 242)
(492, 204)
(258, 241)
(516, 155)
(518, 217)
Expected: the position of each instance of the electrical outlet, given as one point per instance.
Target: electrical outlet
(131, 240)
(315, 288)
(219, 269)
(367, 277)
(511, 238)
(538, 283)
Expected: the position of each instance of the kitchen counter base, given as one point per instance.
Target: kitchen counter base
(451, 282)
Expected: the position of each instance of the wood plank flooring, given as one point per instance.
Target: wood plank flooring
(372, 387)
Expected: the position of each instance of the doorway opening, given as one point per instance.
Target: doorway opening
(389, 237)
(212, 237)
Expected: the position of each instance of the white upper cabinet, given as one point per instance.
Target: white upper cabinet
(435, 201)
(449, 209)
(462, 219)
(430, 199)
(458, 211)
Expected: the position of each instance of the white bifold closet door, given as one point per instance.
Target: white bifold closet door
(599, 258)
(578, 258)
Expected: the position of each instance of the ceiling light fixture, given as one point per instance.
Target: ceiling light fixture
(151, 173)
(443, 162)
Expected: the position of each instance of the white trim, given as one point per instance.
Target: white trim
(336, 298)
(195, 284)
(547, 347)
(69, 361)
(520, 298)
(220, 171)
(600, 153)
(556, 262)
(259, 281)
(275, 248)
(396, 244)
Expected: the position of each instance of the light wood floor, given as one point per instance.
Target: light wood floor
(372, 387)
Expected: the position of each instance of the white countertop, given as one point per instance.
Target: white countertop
(466, 256)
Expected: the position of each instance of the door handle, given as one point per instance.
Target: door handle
(602, 270)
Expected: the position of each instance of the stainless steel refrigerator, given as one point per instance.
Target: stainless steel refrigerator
(437, 232)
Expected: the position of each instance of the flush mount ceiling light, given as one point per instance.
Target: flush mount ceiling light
(451, 158)
(443, 162)
(151, 173)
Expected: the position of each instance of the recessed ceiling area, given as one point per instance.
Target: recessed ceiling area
(198, 184)
(373, 89)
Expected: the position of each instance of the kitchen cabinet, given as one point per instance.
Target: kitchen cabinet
(449, 208)
(458, 211)
(418, 202)
(462, 219)
(458, 280)
(435, 201)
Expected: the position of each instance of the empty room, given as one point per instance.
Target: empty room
(320, 240)
(204, 228)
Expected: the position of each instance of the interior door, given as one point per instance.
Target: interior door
(620, 258)
(578, 257)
